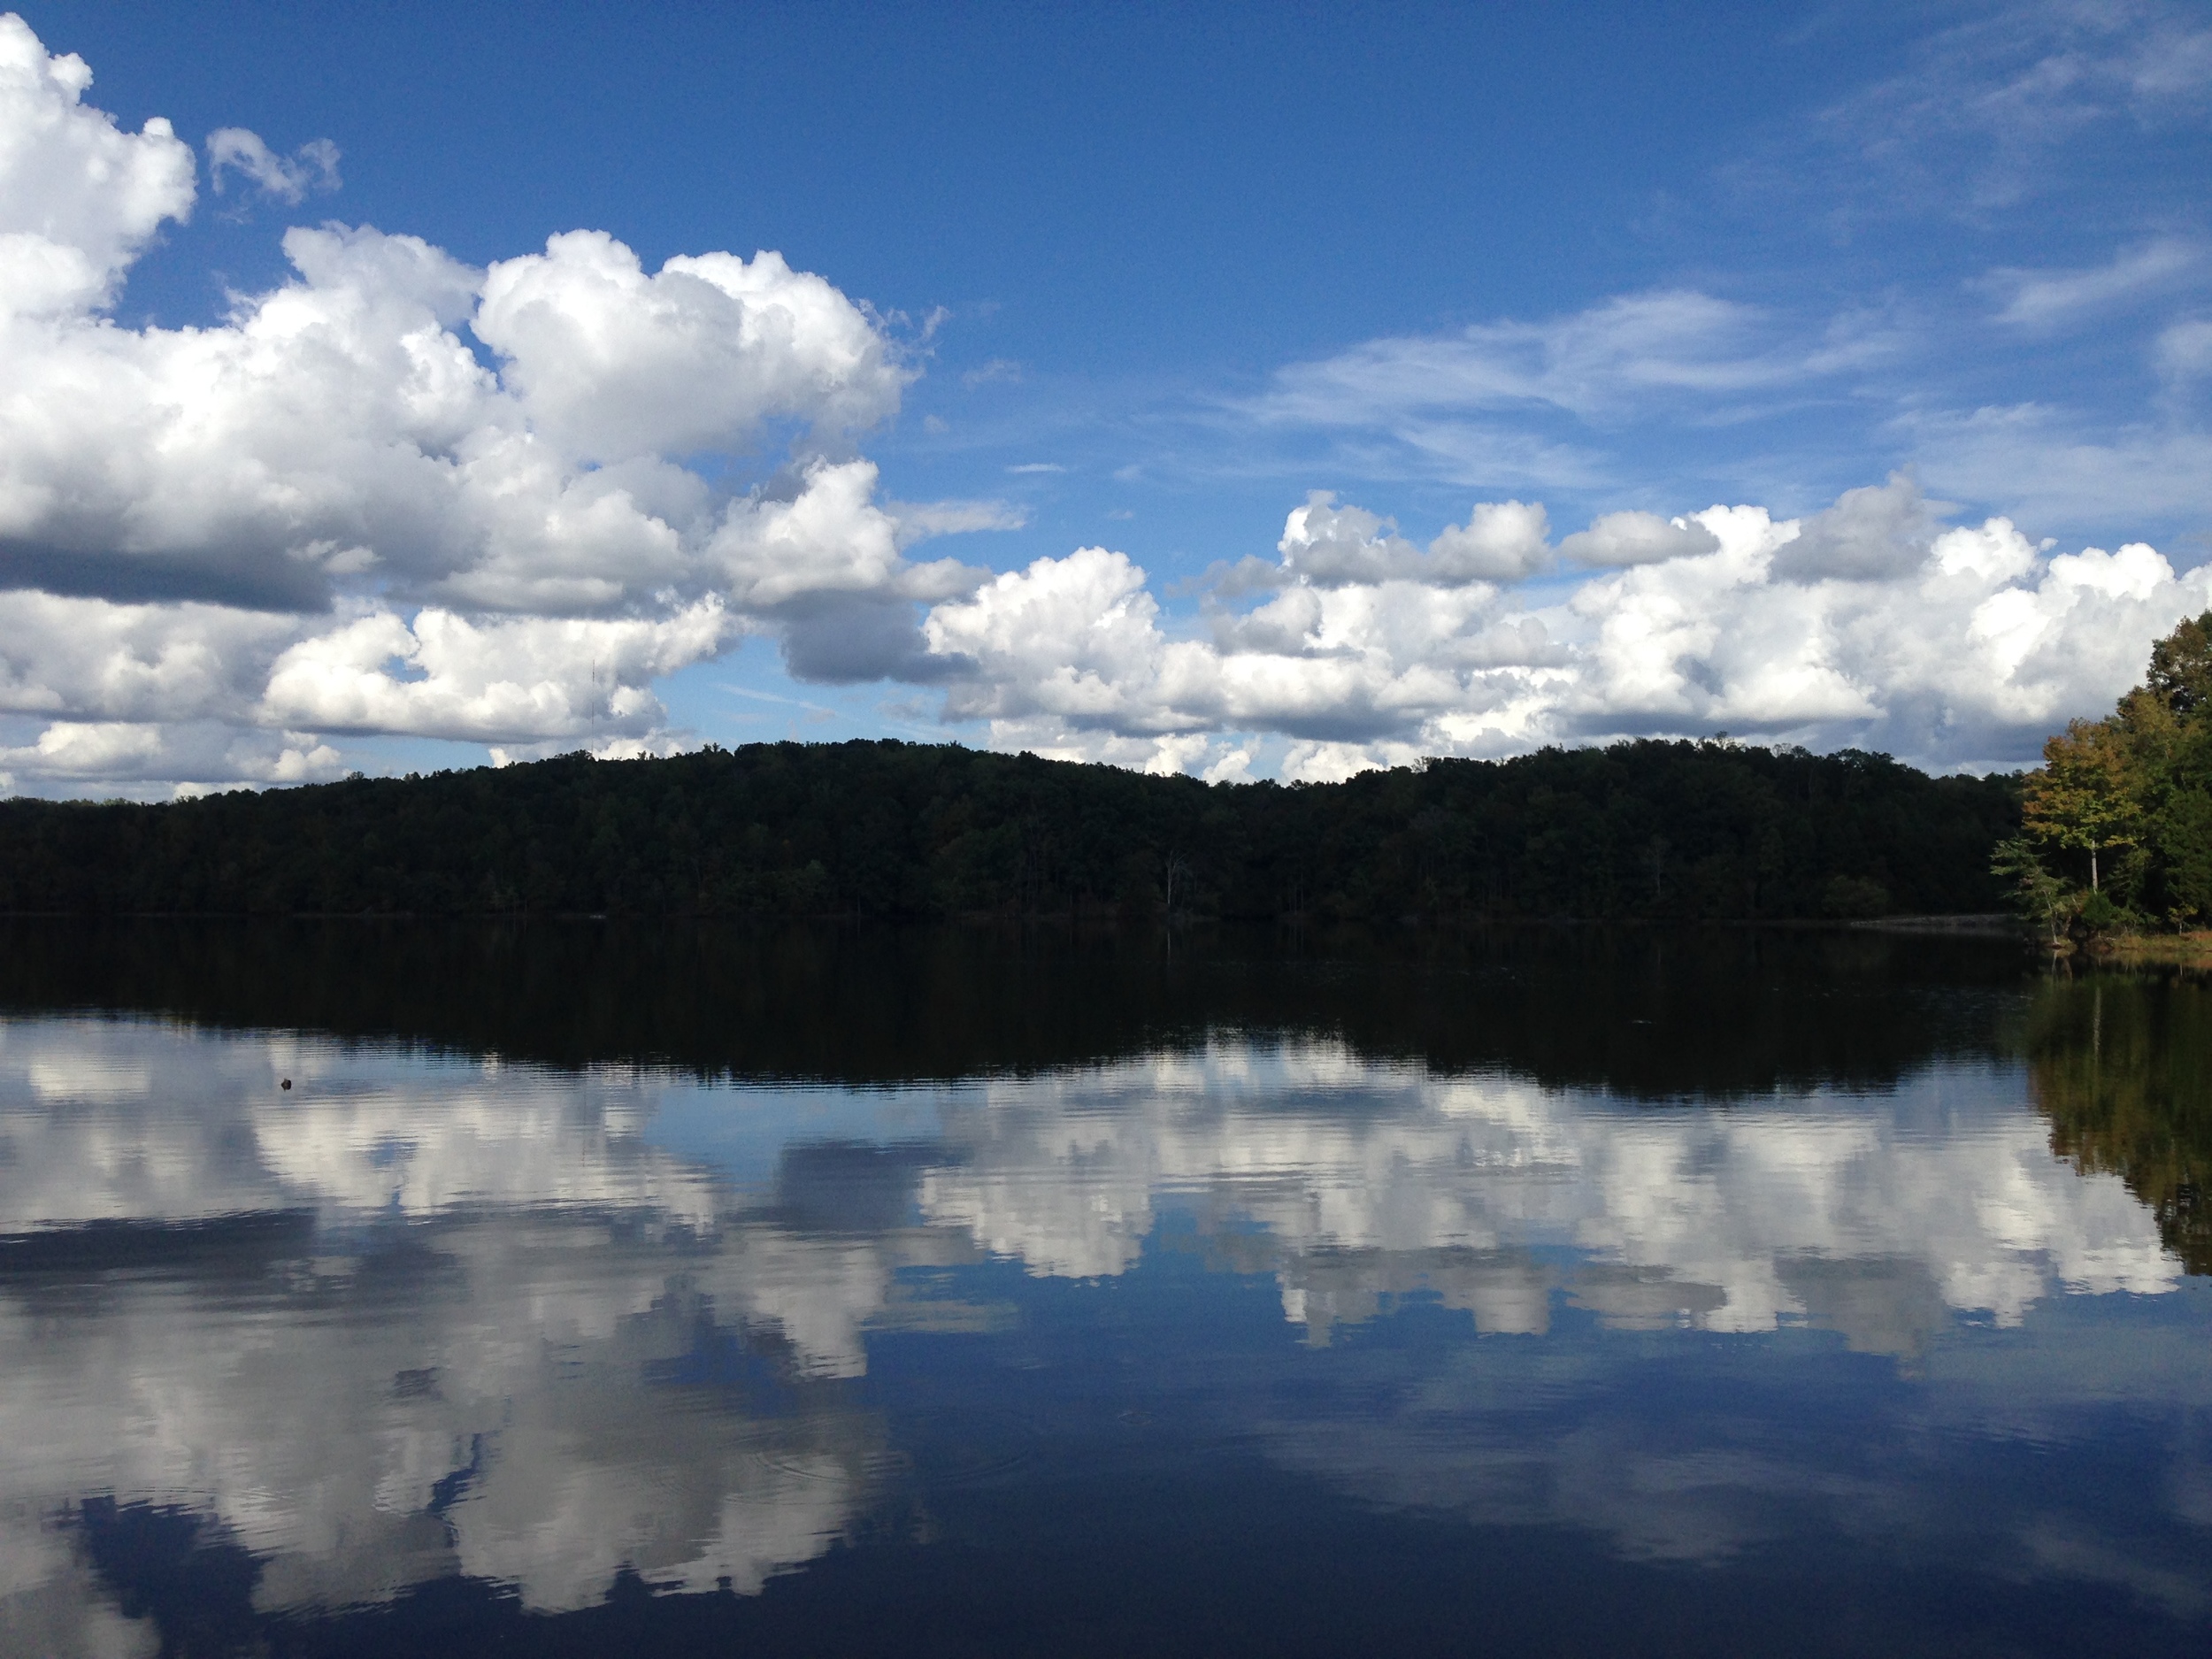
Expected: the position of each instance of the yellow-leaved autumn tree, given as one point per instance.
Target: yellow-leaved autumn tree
(2138, 783)
(2084, 797)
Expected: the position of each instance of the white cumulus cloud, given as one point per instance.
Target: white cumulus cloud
(1873, 623)
(1638, 538)
(399, 494)
(79, 197)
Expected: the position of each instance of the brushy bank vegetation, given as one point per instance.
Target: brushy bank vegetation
(1660, 830)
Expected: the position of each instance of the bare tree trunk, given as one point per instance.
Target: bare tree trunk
(1177, 865)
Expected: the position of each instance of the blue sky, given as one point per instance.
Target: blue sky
(1153, 276)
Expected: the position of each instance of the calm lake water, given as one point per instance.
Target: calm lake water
(594, 1290)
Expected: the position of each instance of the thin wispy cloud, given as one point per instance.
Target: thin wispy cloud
(1627, 352)
(1970, 123)
(998, 370)
(2184, 351)
(2054, 299)
(1547, 404)
(287, 178)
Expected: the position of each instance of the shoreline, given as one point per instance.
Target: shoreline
(2182, 950)
(1980, 925)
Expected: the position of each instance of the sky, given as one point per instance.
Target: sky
(1248, 391)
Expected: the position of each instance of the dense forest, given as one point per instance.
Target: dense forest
(2118, 821)
(1650, 829)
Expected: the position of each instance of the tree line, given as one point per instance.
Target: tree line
(1662, 830)
(2116, 824)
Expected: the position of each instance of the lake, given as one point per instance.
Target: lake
(597, 1289)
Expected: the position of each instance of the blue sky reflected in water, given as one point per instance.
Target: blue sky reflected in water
(434, 1320)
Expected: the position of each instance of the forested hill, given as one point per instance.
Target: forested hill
(1642, 829)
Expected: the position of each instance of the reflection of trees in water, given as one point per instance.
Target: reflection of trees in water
(2121, 1067)
(1638, 1012)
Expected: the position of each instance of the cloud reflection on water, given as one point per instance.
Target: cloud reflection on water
(539, 1326)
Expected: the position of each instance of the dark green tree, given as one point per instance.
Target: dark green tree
(2137, 783)
(1661, 830)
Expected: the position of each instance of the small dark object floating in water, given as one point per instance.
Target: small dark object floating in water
(287, 1083)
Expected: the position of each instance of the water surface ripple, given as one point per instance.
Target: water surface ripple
(1547, 1293)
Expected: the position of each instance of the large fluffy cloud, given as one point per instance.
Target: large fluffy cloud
(399, 494)
(78, 196)
(1870, 623)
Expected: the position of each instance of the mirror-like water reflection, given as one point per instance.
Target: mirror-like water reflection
(1560, 1293)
